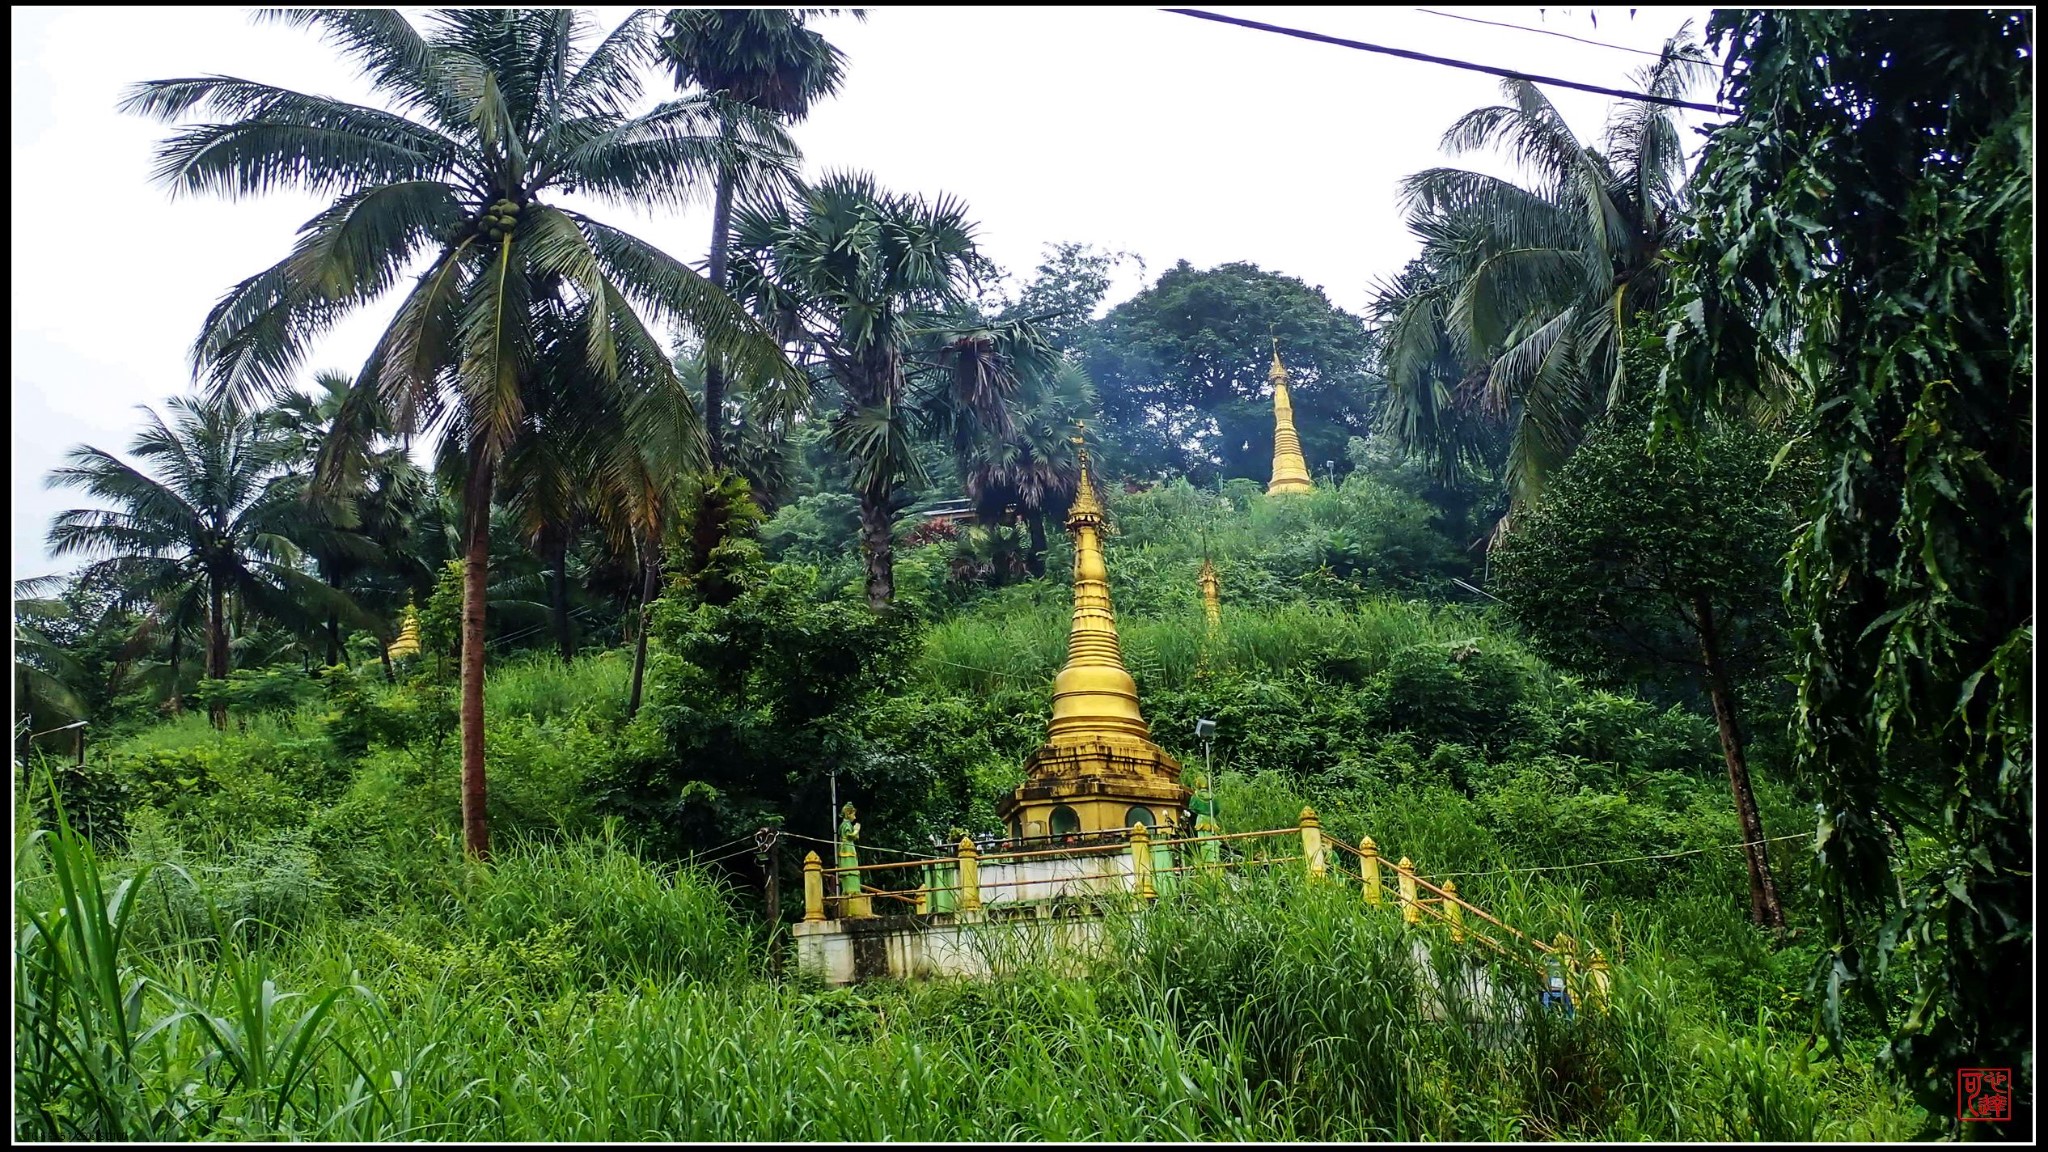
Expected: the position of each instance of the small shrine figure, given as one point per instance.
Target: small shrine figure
(849, 855)
(1203, 809)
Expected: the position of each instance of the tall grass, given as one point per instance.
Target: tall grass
(570, 993)
(1022, 645)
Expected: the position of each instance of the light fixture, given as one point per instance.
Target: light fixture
(1204, 729)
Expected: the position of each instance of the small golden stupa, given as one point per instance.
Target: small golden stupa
(1098, 769)
(1212, 594)
(408, 642)
(1290, 471)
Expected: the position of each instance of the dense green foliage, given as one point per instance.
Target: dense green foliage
(1660, 567)
(1864, 241)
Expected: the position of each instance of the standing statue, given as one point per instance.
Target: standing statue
(1204, 810)
(849, 856)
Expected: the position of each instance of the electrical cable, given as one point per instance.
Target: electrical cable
(1488, 69)
(1541, 31)
(1626, 859)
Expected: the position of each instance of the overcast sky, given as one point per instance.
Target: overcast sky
(1133, 129)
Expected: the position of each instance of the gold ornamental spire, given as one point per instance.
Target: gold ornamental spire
(1290, 471)
(1094, 699)
(1212, 597)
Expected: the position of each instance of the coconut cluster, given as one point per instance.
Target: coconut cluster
(498, 220)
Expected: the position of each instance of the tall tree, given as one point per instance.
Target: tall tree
(873, 286)
(1535, 286)
(1634, 566)
(1182, 367)
(494, 109)
(210, 523)
(766, 60)
(1864, 231)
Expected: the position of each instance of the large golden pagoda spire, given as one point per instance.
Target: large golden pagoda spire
(1290, 471)
(1212, 596)
(1094, 698)
(1098, 770)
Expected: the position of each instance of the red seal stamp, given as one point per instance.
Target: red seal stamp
(1984, 1094)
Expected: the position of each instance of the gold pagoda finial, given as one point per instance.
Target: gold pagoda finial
(1086, 502)
(1094, 699)
(1290, 470)
(1212, 596)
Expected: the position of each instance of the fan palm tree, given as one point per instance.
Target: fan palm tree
(492, 112)
(860, 279)
(1527, 292)
(766, 60)
(1033, 468)
(212, 525)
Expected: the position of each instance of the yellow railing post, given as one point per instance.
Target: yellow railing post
(970, 875)
(814, 888)
(1369, 869)
(1455, 911)
(1411, 912)
(1312, 844)
(924, 899)
(1141, 862)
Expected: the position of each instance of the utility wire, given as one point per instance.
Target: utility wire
(1426, 58)
(1627, 859)
(1540, 31)
(867, 847)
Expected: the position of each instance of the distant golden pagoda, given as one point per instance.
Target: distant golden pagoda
(1098, 769)
(1212, 595)
(408, 642)
(1290, 471)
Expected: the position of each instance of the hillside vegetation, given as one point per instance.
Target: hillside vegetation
(607, 974)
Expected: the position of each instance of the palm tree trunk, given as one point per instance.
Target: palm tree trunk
(177, 671)
(563, 637)
(878, 547)
(216, 646)
(1035, 563)
(714, 376)
(333, 640)
(384, 654)
(650, 565)
(1764, 908)
(476, 563)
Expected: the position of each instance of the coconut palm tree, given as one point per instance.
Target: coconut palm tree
(1526, 293)
(212, 525)
(491, 115)
(766, 60)
(45, 674)
(358, 524)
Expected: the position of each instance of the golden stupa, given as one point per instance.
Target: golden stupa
(408, 642)
(1212, 593)
(1098, 769)
(1290, 471)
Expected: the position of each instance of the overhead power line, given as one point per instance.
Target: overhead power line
(1540, 32)
(1505, 73)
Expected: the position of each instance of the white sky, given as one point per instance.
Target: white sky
(1133, 129)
